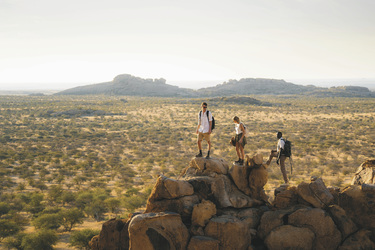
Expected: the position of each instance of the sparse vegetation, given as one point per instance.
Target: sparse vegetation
(58, 171)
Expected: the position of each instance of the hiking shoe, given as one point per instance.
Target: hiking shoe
(241, 162)
(208, 157)
(199, 155)
(238, 162)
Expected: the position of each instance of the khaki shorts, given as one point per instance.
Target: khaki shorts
(206, 136)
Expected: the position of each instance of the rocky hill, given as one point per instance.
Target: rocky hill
(214, 205)
(129, 85)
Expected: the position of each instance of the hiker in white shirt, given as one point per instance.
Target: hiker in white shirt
(280, 156)
(204, 129)
(240, 140)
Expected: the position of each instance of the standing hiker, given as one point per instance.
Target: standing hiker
(204, 129)
(279, 153)
(240, 139)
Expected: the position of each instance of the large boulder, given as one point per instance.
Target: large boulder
(202, 242)
(285, 196)
(183, 206)
(158, 231)
(290, 237)
(315, 193)
(365, 173)
(231, 232)
(359, 204)
(250, 216)
(221, 191)
(318, 221)
(166, 188)
(272, 219)
(342, 221)
(114, 235)
(240, 177)
(258, 178)
(359, 240)
(205, 166)
(202, 213)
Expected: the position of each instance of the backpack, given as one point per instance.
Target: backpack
(287, 148)
(213, 119)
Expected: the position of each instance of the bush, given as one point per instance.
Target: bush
(48, 221)
(80, 239)
(8, 228)
(44, 239)
(71, 217)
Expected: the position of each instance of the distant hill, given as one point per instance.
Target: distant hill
(129, 85)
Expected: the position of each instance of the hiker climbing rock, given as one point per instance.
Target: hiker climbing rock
(280, 154)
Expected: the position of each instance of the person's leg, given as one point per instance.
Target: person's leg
(199, 141)
(238, 152)
(272, 154)
(282, 168)
(242, 151)
(208, 139)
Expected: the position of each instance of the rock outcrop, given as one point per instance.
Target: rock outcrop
(214, 206)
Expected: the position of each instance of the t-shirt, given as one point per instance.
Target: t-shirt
(237, 127)
(205, 125)
(280, 144)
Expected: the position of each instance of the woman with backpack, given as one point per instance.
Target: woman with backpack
(240, 139)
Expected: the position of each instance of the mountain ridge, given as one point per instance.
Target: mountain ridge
(126, 84)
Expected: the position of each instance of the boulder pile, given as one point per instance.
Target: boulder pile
(217, 206)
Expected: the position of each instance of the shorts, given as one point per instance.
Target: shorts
(206, 136)
(238, 138)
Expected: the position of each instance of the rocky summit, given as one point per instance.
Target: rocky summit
(215, 205)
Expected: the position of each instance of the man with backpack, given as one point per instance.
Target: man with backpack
(204, 129)
(280, 154)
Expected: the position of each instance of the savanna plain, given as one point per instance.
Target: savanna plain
(70, 163)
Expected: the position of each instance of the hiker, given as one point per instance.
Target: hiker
(240, 140)
(280, 156)
(204, 129)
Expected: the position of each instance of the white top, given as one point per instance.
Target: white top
(237, 127)
(280, 144)
(205, 125)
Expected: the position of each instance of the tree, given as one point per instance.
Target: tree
(44, 239)
(71, 217)
(48, 221)
(80, 239)
(113, 204)
(4, 208)
(8, 228)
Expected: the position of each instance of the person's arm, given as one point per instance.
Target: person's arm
(199, 123)
(210, 121)
(243, 132)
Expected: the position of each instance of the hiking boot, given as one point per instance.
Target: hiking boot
(268, 162)
(199, 155)
(208, 157)
(241, 162)
(238, 162)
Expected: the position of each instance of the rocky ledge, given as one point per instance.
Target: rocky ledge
(214, 206)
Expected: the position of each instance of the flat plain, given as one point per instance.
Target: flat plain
(101, 155)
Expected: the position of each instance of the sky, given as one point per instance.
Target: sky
(51, 44)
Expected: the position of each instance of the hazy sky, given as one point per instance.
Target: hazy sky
(61, 44)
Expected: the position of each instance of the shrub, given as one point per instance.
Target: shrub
(48, 221)
(44, 239)
(80, 239)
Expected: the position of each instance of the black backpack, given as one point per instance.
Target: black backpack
(213, 119)
(287, 148)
